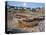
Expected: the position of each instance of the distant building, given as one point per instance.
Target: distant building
(18, 7)
(15, 7)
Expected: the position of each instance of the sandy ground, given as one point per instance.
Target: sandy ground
(12, 27)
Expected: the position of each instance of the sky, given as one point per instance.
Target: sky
(25, 4)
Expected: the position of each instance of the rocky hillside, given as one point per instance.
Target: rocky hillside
(19, 21)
